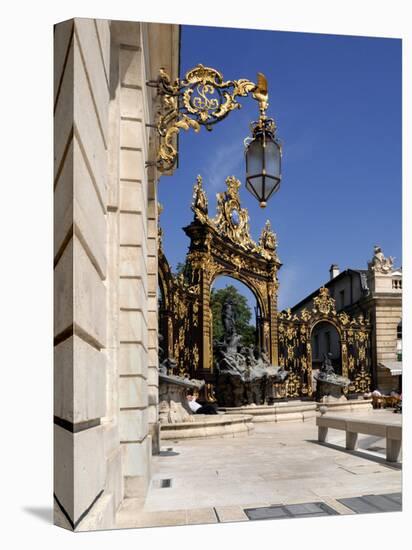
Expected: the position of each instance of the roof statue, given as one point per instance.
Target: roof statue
(268, 239)
(200, 204)
(379, 263)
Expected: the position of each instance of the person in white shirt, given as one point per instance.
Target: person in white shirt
(193, 404)
(195, 407)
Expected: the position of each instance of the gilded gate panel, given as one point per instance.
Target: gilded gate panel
(295, 352)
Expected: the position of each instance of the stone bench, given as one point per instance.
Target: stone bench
(391, 430)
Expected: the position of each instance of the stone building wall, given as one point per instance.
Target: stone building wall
(105, 264)
(385, 306)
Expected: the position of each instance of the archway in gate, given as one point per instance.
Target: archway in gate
(325, 342)
(326, 339)
(246, 306)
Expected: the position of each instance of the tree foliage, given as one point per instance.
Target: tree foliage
(180, 268)
(242, 314)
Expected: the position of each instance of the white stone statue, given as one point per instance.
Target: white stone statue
(380, 264)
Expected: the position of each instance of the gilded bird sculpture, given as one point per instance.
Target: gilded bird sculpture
(261, 93)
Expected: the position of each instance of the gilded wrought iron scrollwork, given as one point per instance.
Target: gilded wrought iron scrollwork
(293, 385)
(290, 356)
(177, 314)
(362, 381)
(201, 98)
(354, 341)
(195, 309)
(195, 353)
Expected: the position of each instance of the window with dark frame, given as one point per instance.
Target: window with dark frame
(342, 299)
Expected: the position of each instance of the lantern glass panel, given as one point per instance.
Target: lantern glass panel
(254, 158)
(272, 159)
(256, 185)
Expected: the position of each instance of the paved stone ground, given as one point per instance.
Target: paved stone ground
(215, 480)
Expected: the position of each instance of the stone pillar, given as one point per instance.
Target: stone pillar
(82, 496)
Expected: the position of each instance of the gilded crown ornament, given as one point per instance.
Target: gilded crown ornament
(323, 302)
(231, 220)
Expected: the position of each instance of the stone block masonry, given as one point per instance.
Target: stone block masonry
(105, 258)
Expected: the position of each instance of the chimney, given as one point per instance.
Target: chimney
(333, 271)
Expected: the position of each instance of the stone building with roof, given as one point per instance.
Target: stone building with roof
(374, 293)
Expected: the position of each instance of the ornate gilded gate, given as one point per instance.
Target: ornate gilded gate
(222, 246)
(295, 349)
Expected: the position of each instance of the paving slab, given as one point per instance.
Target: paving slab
(230, 513)
(309, 509)
(368, 504)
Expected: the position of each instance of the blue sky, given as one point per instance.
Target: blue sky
(337, 104)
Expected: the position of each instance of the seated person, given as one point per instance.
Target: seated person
(194, 406)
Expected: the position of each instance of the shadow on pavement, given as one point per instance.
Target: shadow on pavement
(361, 454)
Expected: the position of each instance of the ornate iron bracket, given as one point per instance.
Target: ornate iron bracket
(202, 98)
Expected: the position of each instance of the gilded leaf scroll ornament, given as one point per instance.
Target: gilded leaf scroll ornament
(291, 332)
(182, 338)
(195, 353)
(201, 98)
(293, 385)
(286, 314)
(195, 313)
(304, 362)
(362, 381)
(344, 318)
(361, 336)
(176, 349)
(362, 354)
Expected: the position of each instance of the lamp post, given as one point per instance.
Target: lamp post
(203, 98)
